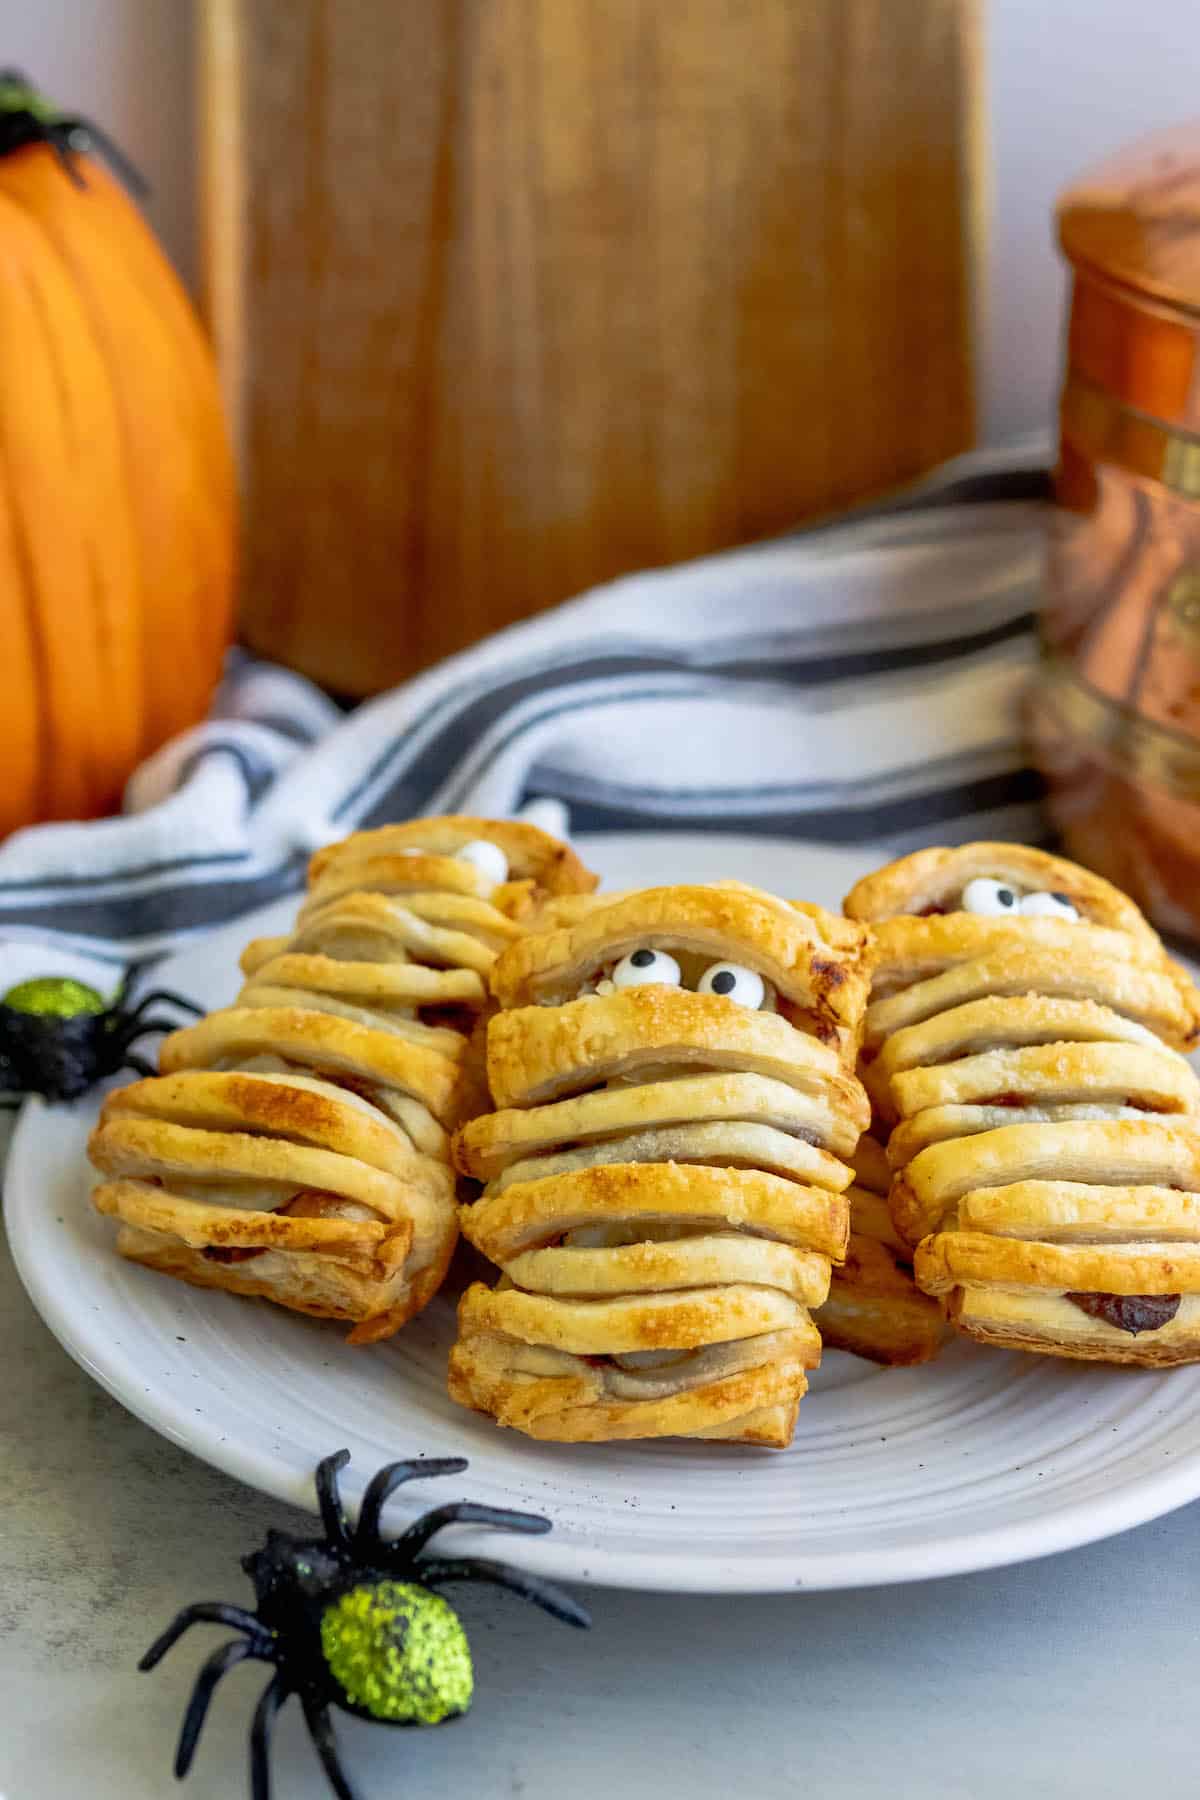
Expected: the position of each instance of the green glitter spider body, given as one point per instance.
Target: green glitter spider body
(54, 997)
(355, 1621)
(399, 1653)
(58, 1036)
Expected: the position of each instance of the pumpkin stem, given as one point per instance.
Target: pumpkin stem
(27, 117)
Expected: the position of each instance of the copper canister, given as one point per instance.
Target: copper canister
(1116, 715)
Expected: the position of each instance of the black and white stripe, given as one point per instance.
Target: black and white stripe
(857, 683)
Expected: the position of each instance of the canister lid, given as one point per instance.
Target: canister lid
(1135, 219)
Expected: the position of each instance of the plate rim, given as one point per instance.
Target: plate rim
(1136, 1501)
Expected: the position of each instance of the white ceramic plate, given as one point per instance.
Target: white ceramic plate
(980, 1459)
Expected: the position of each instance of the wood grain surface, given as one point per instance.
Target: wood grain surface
(514, 295)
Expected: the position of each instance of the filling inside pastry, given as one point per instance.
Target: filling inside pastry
(1133, 1313)
(655, 1374)
(612, 1235)
(307, 1204)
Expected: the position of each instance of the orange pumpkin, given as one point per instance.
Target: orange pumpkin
(117, 505)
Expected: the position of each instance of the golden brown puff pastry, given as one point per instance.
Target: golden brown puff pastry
(1056, 1070)
(296, 1146)
(1147, 1331)
(1023, 1037)
(814, 963)
(923, 967)
(1127, 1303)
(487, 1145)
(938, 1123)
(539, 866)
(1097, 1152)
(542, 1053)
(374, 1060)
(872, 1170)
(665, 1173)
(874, 1308)
(436, 930)
(723, 1143)
(1068, 1212)
(568, 909)
(529, 1215)
(747, 1390)
(931, 881)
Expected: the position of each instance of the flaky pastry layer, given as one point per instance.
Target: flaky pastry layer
(528, 1215)
(936, 878)
(540, 1053)
(485, 1146)
(1098, 1152)
(745, 1392)
(297, 1145)
(814, 962)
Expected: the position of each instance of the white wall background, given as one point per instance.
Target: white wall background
(128, 65)
(1068, 80)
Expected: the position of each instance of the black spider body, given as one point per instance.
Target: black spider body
(352, 1620)
(61, 1054)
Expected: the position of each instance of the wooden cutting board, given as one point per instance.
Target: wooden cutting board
(514, 295)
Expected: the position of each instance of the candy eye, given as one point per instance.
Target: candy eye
(487, 857)
(745, 987)
(642, 967)
(991, 899)
(1049, 906)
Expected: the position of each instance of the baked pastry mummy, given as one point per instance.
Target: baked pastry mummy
(296, 1144)
(875, 1308)
(1024, 1038)
(664, 1174)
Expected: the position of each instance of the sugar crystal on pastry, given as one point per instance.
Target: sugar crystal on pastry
(1044, 1125)
(296, 1144)
(665, 1168)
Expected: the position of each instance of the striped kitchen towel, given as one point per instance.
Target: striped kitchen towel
(857, 683)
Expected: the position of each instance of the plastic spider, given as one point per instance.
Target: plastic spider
(27, 118)
(351, 1620)
(58, 1036)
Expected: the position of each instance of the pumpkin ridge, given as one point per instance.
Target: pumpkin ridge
(117, 495)
(61, 768)
(120, 736)
(178, 471)
(79, 752)
(156, 283)
(22, 589)
(127, 682)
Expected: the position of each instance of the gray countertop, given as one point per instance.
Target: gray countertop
(1073, 1676)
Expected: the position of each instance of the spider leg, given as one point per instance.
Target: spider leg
(138, 1064)
(385, 1483)
(132, 176)
(551, 1599)
(128, 982)
(465, 1512)
(130, 1028)
(333, 1516)
(210, 1612)
(218, 1664)
(169, 999)
(320, 1730)
(66, 156)
(272, 1698)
